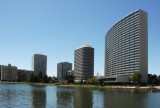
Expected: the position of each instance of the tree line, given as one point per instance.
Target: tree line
(36, 78)
(135, 79)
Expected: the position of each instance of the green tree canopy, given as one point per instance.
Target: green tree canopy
(40, 74)
(21, 75)
(152, 79)
(136, 78)
(32, 79)
(92, 81)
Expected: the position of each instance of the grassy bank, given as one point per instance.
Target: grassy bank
(89, 86)
(32, 83)
(93, 86)
(113, 86)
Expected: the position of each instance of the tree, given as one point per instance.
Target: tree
(54, 79)
(136, 78)
(158, 78)
(36, 78)
(32, 79)
(40, 74)
(64, 82)
(92, 81)
(21, 75)
(152, 79)
(45, 79)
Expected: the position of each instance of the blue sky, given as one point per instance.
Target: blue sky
(57, 27)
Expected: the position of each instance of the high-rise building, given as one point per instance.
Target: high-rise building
(126, 47)
(84, 63)
(62, 68)
(8, 73)
(39, 64)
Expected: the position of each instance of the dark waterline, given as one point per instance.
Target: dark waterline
(35, 96)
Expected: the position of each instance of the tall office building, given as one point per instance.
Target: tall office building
(39, 64)
(8, 73)
(84, 63)
(126, 46)
(62, 68)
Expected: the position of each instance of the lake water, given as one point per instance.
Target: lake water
(34, 96)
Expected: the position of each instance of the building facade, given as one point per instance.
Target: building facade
(27, 73)
(84, 63)
(39, 64)
(62, 68)
(8, 73)
(126, 46)
(70, 76)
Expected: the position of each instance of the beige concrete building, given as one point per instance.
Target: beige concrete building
(84, 63)
(126, 47)
(8, 73)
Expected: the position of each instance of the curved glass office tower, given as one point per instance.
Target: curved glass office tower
(84, 63)
(126, 46)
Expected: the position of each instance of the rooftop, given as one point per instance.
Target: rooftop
(39, 55)
(84, 46)
(126, 17)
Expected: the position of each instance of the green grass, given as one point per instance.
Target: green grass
(69, 85)
(32, 83)
(95, 86)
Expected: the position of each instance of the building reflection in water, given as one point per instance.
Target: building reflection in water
(38, 97)
(64, 97)
(115, 98)
(83, 98)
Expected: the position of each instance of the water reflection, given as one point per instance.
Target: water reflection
(38, 96)
(101, 98)
(82, 98)
(115, 98)
(26, 96)
(13, 95)
(64, 97)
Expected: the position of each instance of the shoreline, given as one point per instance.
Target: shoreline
(31, 83)
(87, 86)
(114, 87)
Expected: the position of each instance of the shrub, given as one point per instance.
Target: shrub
(64, 82)
(92, 81)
